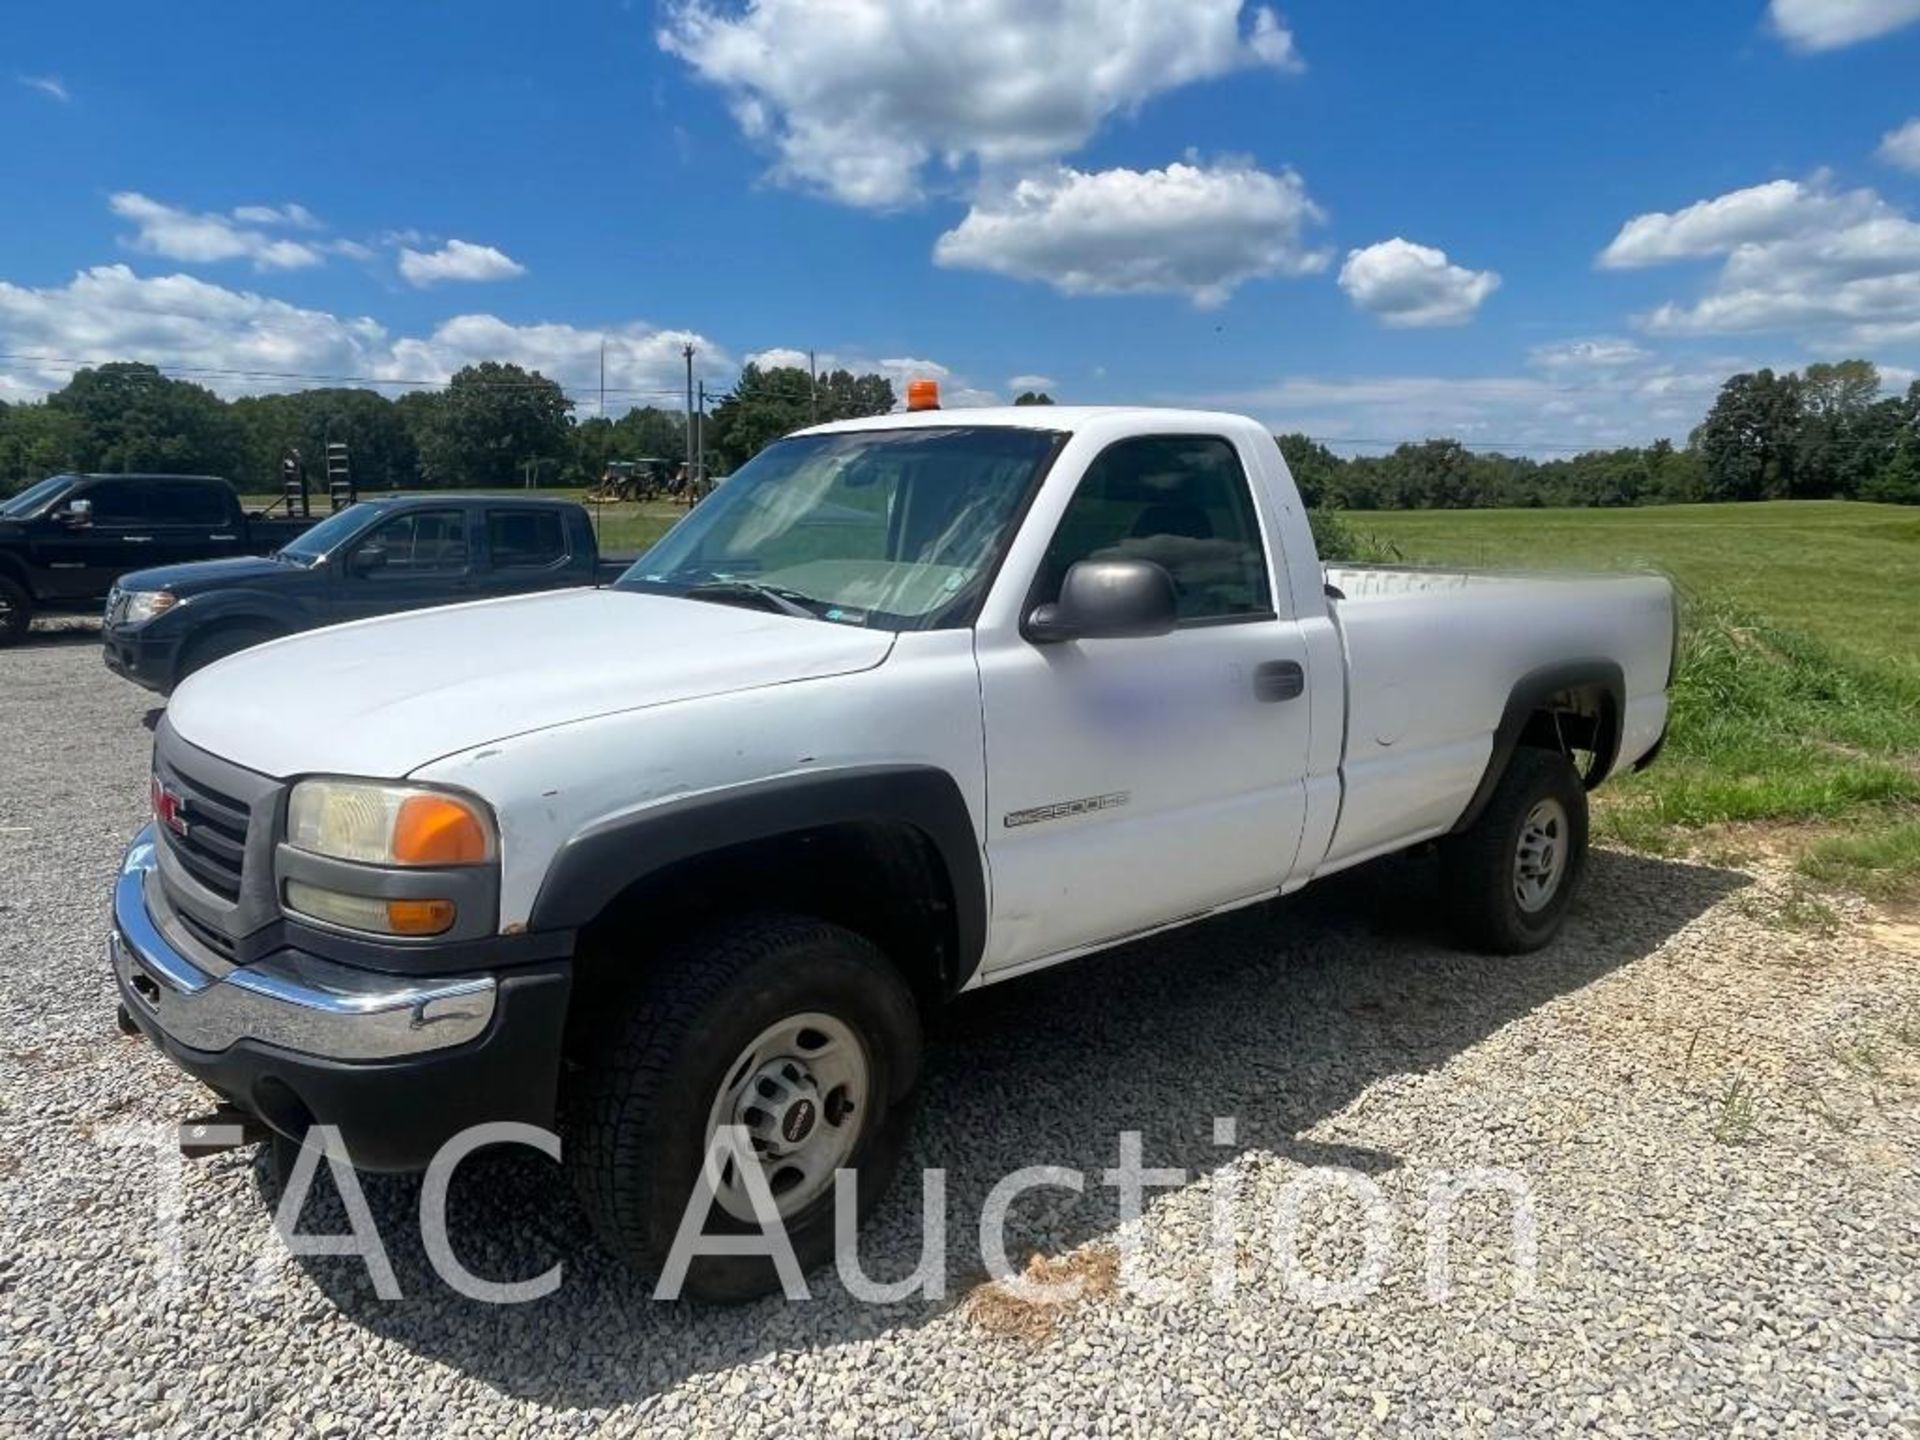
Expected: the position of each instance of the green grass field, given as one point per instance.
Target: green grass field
(1844, 573)
(1799, 693)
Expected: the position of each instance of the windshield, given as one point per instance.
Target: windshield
(34, 496)
(895, 529)
(329, 533)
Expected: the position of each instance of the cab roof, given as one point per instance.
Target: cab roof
(1059, 418)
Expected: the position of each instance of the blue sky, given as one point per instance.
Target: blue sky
(1543, 225)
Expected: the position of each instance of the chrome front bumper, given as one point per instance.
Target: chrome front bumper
(290, 999)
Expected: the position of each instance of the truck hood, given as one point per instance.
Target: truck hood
(383, 697)
(195, 576)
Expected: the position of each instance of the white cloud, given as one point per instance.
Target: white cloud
(1833, 24)
(109, 313)
(1605, 352)
(296, 217)
(457, 260)
(1190, 229)
(51, 85)
(1017, 383)
(1901, 146)
(1546, 413)
(955, 392)
(1757, 215)
(238, 342)
(161, 229)
(1406, 285)
(1839, 270)
(857, 98)
(645, 365)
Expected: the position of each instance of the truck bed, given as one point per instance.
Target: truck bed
(1431, 654)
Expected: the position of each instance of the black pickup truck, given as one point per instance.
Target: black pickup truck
(64, 541)
(373, 558)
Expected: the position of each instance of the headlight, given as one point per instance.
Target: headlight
(143, 605)
(376, 824)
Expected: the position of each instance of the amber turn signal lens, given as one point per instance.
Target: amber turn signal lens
(419, 917)
(438, 830)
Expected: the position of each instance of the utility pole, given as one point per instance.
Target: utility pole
(813, 390)
(700, 445)
(603, 377)
(688, 352)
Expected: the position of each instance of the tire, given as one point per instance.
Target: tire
(199, 654)
(1504, 901)
(16, 611)
(643, 1108)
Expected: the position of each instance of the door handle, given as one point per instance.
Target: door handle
(138, 539)
(1278, 680)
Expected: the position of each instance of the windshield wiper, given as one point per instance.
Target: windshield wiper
(729, 592)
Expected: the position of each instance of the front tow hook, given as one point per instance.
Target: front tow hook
(227, 1128)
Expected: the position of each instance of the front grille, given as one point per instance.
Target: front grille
(215, 823)
(117, 602)
(210, 836)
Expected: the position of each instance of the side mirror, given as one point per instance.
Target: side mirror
(78, 515)
(367, 559)
(1107, 600)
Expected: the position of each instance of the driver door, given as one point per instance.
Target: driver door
(423, 558)
(83, 560)
(1136, 782)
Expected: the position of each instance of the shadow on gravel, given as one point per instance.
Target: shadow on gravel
(1279, 1015)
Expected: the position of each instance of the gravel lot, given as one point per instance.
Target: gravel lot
(1716, 1112)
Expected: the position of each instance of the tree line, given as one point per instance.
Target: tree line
(1824, 432)
(492, 425)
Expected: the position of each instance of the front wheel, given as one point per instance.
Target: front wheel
(797, 1031)
(1509, 878)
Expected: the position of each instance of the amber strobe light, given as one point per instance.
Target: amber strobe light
(923, 394)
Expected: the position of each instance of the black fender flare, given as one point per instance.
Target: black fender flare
(1529, 692)
(210, 614)
(600, 862)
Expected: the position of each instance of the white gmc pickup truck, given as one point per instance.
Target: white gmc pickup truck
(910, 705)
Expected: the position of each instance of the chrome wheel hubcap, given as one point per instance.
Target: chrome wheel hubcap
(1540, 859)
(800, 1091)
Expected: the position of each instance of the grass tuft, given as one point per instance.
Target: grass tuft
(1883, 862)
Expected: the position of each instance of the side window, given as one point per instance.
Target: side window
(187, 504)
(1180, 501)
(525, 539)
(119, 503)
(427, 542)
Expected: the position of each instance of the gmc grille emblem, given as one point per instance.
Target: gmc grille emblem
(168, 808)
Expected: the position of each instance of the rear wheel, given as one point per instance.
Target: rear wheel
(1509, 879)
(201, 653)
(798, 1031)
(16, 610)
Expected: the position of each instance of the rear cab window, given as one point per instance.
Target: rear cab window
(188, 502)
(529, 539)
